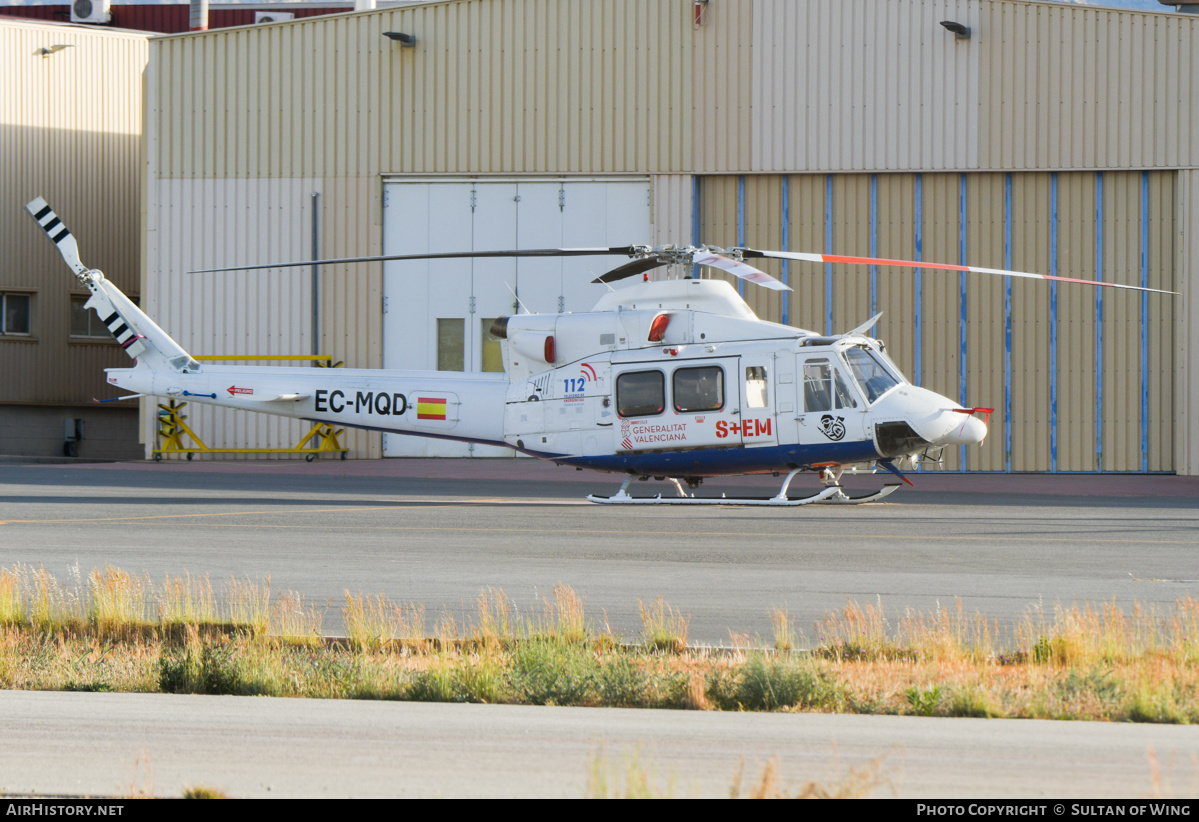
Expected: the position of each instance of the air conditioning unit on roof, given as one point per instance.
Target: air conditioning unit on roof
(90, 11)
(273, 16)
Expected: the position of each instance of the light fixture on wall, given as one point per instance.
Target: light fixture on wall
(401, 38)
(960, 32)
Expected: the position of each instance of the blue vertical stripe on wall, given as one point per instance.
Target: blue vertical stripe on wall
(695, 220)
(1053, 322)
(962, 319)
(741, 226)
(1144, 321)
(786, 296)
(828, 249)
(1099, 322)
(918, 298)
(1007, 324)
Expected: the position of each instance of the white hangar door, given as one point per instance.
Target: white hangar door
(437, 312)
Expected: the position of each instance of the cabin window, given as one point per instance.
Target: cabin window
(755, 386)
(699, 389)
(817, 386)
(640, 393)
(15, 311)
(451, 344)
(872, 376)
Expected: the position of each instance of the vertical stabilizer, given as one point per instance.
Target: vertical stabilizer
(137, 333)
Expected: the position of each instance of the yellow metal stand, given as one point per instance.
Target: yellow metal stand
(172, 425)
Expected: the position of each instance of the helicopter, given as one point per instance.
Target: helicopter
(675, 379)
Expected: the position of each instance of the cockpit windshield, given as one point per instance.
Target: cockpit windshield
(871, 373)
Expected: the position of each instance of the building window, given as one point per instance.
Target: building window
(15, 314)
(84, 321)
(493, 357)
(451, 344)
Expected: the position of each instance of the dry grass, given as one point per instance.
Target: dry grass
(117, 631)
(187, 601)
(497, 620)
(118, 603)
(632, 777)
(203, 792)
(628, 779)
(860, 782)
(141, 782)
(783, 624)
(665, 629)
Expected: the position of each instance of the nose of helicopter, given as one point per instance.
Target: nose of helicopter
(923, 419)
(969, 430)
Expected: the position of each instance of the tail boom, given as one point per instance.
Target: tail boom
(447, 405)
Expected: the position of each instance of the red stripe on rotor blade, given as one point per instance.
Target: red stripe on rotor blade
(835, 258)
(838, 258)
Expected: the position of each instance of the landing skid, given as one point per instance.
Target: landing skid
(832, 494)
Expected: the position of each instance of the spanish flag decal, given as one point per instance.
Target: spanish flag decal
(429, 408)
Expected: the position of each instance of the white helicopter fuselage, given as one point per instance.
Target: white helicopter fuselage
(670, 378)
(674, 379)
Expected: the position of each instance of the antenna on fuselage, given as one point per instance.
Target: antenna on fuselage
(515, 297)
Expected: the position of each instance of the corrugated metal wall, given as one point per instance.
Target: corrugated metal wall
(71, 132)
(1069, 86)
(883, 87)
(503, 86)
(853, 85)
(198, 224)
(1186, 249)
(1067, 397)
(830, 124)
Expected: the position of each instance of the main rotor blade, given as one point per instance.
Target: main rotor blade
(836, 258)
(734, 267)
(630, 269)
(739, 269)
(627, 250)
(40, 210)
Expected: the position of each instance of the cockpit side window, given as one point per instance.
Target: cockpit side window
(640, 393)
(817, 386)
(844, 395)
(872, 376)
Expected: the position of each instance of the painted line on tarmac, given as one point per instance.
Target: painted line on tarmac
(403, 505)
(195, 516)
(396, 505)
(674, 532)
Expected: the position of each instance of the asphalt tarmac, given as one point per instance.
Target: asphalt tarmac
(438, 533)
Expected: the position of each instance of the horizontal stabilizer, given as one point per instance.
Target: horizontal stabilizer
(118, 399)
(281, 398)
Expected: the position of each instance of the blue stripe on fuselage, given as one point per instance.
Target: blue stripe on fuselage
(714, 462)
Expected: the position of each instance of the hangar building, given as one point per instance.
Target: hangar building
(72, 126)
(1053, 138)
